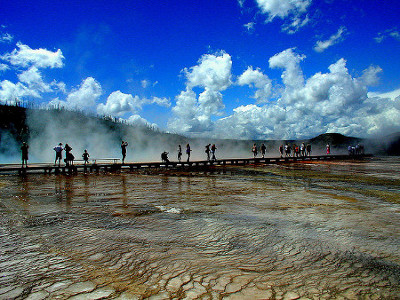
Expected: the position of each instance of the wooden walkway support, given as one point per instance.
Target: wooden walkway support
(113, 167)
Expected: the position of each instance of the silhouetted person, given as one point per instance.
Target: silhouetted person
(85, 157)
(308, 150)
(123, 150)
(164, 157)
(213, 149)
(69, 158)
(263, 150)
(58, 150)
(179, 153)
(188, 150)
(24, 153)
(208, 151)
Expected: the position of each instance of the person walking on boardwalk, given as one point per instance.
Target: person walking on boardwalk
(254, 150)
(328, 149)
(179, 153)
(208, 151)
(123, 150)
(263, 150)
(24, 153)
(213, 149)
(58, 150)
(188, 150)
(281, 150)
(85, 156)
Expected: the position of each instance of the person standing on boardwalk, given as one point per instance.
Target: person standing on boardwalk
(58, 150)
(68, 154)
(208, 151)
(254, 150)
(308, 150)
(123, 150)
(213, 149)
(188, 150)
(24, 153)
(179, 153)
(263, 150)
(85, 156)
(281, 150)
(328, 149)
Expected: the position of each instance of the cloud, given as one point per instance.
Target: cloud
(193, 114)
(393, 33)
(212, 71)
(283, 8)
(4, 67)
(6, 38)
(84, 97)
(295, 24)
(321, 46)
(292, 76)
(326, 102)
(259, 80)
(34, 80)
(145, 83)
(291, 11)
(40, 58)
(118, 104)
(249, 26)
(11, 92)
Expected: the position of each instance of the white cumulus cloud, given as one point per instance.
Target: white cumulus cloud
(40, 58)
(283, 8)
(193, 113)
(254, 77)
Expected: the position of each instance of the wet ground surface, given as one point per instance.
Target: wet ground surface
(298, 231)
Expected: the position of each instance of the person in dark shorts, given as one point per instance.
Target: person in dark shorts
(58, 150)
(24, 152)
(263, 150)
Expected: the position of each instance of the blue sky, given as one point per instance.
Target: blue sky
(262, 69)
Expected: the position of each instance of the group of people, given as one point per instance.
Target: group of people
(210, 150)
(356, 150)
(69, 157)
(263, 150)
(295, 150)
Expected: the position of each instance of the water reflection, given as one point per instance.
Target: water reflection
(273, 232)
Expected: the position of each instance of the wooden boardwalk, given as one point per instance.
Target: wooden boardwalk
(114, 167)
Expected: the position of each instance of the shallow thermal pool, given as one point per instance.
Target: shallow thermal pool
(309, 231)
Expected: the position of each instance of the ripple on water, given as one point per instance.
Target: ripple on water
(276, 232)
